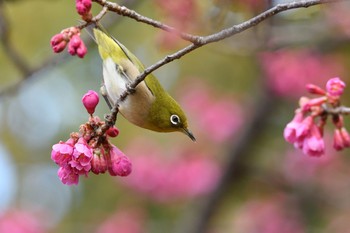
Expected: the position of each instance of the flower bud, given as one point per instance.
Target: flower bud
(314, 102)
(346, 137)
(313, 89)
(335, 87)
(90, 101)
(313, 144)
(76, 46)
(81, 50)
(289, 132)
(112, 131)
(68, 176)
(83, 6)
(305, 127)
(338, 142)
(58, 43)
(120, 165)
(99, 162)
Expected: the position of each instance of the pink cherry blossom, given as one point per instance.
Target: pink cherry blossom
(83, 6)
(99, 162)
(305, 131)
(68, 176)
(82, 156)
(112, 131)
(62, 152)
(335, 87)
(305, 127)
(290, 130)
(58, 43)
(338, 142)
(76, 46)
(119, 164)
(314, 89)
(345, 136)
(314, 102)
(90, 101)
(313, 143)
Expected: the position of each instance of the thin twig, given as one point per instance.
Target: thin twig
(52, 61)
(341, 110)
(124, 11)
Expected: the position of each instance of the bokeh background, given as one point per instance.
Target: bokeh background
(240, 176)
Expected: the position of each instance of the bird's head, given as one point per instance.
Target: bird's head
(167, 116)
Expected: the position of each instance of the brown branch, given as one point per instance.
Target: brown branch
(199, 41)
(124, 11)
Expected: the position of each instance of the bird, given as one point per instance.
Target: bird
(149, 106)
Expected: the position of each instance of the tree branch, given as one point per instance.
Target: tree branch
(124, 11)
(198, 41)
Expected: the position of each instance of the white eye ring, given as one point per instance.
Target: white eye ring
(174, 119)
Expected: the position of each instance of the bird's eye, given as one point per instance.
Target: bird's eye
(175, 120)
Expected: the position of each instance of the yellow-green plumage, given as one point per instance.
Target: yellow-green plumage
(150, 107)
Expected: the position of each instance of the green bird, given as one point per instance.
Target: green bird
(150, 106)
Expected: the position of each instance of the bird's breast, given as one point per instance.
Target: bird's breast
(135, 108)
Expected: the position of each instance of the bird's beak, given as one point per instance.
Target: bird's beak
(189, 134)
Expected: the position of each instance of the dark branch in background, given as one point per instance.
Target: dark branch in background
(239, 152)
(27, 72)
(124, 11)
(10, 51)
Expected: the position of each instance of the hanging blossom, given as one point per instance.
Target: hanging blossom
(83, 8)
(71, 36)
(305, 131)
(86, 151)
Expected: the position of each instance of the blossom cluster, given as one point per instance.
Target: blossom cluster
(86, 151)
(71, 37)
(305, 131)
(83, 8)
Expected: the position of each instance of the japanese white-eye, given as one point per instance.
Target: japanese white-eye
(150, 106)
